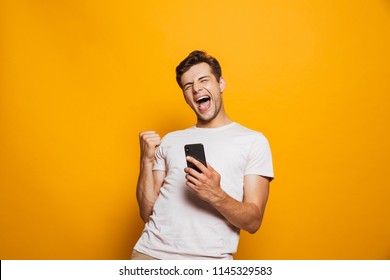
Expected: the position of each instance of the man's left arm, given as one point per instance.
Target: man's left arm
(246, 215)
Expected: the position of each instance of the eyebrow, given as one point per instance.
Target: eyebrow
(189, 83)
(200, 78)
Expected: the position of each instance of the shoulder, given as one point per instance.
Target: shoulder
(170, 136)
(254, 134)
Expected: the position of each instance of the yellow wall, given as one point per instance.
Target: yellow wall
(80, 79)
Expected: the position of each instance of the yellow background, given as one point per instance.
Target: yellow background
(80, 79)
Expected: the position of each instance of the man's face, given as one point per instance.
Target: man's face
(203, 92)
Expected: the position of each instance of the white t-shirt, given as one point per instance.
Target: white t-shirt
(182, 226)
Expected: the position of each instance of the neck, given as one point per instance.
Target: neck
(220, 120)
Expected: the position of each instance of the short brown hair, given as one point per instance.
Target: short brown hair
(197, 57)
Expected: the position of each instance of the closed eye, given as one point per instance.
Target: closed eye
(187, 86)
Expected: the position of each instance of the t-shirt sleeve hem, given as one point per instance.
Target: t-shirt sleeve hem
(269, 175)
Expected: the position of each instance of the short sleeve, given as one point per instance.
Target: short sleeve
(159, 158)
(259, 160)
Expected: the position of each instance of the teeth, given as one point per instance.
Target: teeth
(203, 97)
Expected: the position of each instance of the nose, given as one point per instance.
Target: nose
(196, 87)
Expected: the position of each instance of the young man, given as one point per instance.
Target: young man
(198, 215)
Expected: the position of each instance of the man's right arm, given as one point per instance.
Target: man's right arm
(149, 181)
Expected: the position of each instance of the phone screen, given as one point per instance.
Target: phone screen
(196, 151)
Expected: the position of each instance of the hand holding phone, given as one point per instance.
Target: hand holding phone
(207, 185)
(196, 151)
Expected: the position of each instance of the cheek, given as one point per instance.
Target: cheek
(209, 87)
(187, 99)
(213, 89)
(215, 92)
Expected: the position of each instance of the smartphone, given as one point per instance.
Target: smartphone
(196, 151)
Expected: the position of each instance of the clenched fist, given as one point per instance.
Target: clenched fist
(149, 141)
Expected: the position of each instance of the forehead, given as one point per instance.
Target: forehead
(196, 71)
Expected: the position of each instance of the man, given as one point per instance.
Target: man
(198, 215)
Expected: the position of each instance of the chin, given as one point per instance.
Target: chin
(206, 119)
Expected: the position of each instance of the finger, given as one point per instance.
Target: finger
(192, 172)
(152, 145)
(150, 136)
(146, 132)
(192, 186)
(152, 139)
(197, 163)
(191, 179)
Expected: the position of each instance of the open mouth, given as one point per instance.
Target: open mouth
(203, 103)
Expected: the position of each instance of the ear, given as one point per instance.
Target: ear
(222, 84)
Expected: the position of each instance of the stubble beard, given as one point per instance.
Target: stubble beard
(204, 119)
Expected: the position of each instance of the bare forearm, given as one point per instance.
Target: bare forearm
(146, 191)
(246, 215)
(243, 215)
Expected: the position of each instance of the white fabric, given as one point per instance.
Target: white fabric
(184, 227)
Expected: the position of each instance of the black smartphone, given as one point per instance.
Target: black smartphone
(196, 151)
